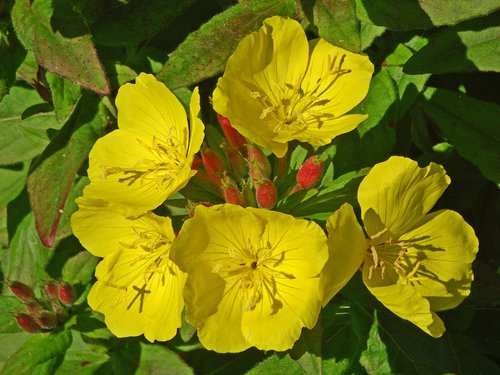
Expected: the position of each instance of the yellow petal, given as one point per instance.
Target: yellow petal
(103, 231)
(351, 77)
(125, 172)
(149, 108)
(197, 128)
(275, 324)
(347, 245)
(403, 300)
(445, 245)
(397, 193)
(135, 299)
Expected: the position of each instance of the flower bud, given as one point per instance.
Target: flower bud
(27, 323)
(66, 293)
(266, 194)
(231, 192)
(259, 166)
(21, 291)
(310, 172)
(50, 289)
(232, 135)
(46, 320)
(33, 307)
(213, 165)
(237, 164)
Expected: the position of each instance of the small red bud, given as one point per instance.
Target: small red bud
(232, 135)
(259, 166)
(46, 319)
(310, 172)
(213, 165)
(33, 307)
(50, 289)
(196, 162)
(22, 291)
(266, 194)
(231, 192)
(66, 293)
(27, 323)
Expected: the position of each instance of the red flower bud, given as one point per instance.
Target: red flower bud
(259, 166)
(21, 291)
(27, 323)
(310, 172)
(266, 194)
(231, 192)
(66, 293)
(50, 289)
(46, 319)
(213, 165)
(196, 162)
(232, 135)
(33, 307)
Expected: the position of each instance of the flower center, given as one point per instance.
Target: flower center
(253, 271)
(387, 252)
(167, 159)
(294, 109)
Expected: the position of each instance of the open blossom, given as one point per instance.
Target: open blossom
(138, 288)
(278, 87)
(413, 261)
(136, 167)
(253, 276)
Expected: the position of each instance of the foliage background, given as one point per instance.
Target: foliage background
(434, 97)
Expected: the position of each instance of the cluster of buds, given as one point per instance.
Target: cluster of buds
(45, 313)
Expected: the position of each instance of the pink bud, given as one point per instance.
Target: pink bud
(27, 323)
(309, 174)
(231, 192)
(65, 293)
(50, 289)
(213, 165)
(232, 135)
(259, 166)
(21, 291)
(266, 194)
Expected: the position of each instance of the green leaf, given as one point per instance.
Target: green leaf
(9, 305)
(374, 358)
(374, 139)
(335, 21)
(421, 14)
(204, 53)
(12, 180)
(36, 351)
(12, 56)
(368, 32)
(22, 140)
(10, 343)
(65, 96)
(307, 350)
(26, 257)
(79, 269)
(470, 125)
(51, 178)
(156, 359)
(468, 47)
(135, 21)
(60, 40)
(277, 364)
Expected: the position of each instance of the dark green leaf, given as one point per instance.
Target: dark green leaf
(23, 139)
(470, 125)
(12, 56)
(79, 269)
(467, 47)
(50, 181)
(374, 358)
(307, 350)
(36, 351)
(59, 37)
(277, 365)
(335, 21)
(136, 20)
(368, 32)
(205, 52)
(158, 360)
(421, 14)
(9, 305)
(65, 96)
(26, 258)
(12, 180)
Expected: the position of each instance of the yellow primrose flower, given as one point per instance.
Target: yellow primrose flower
(414, 262)
(278, 87)
(138, 288)
(253, 276)
(136, 167)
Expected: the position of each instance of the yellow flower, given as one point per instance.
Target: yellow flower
(136, 167)
(138, 288)
(414, 262)
(253, 276)
(278, 87)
